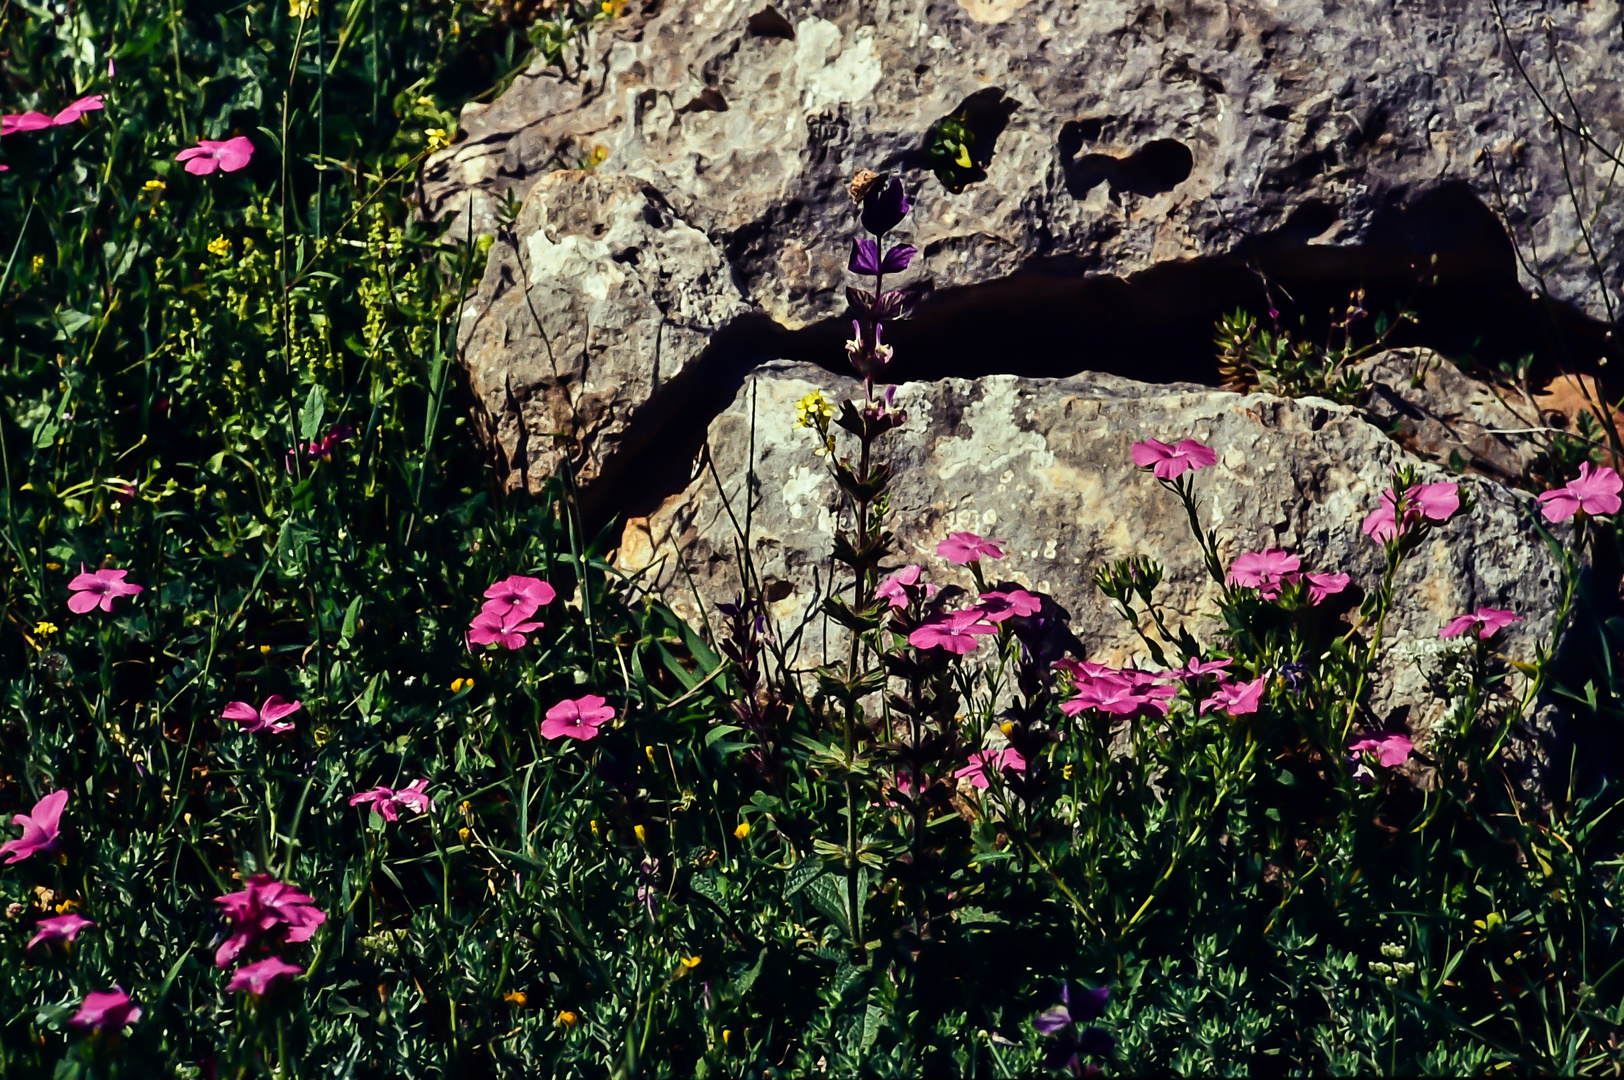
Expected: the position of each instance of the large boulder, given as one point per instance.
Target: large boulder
(1044, 465)
(1205, 154)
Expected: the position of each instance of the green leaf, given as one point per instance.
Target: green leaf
(720, 731)
(351, 616)
(800, 876)
(315, 407)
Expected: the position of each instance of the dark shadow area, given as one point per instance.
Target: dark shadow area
(1160, 165)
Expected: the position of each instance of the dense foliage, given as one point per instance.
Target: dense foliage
(523, 820)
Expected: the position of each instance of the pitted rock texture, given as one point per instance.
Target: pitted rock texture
(1113, 137)
(1044, 465)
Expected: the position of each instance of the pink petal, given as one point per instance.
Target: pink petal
(235, 153)
(73, 112)
(82, 602)
(276, 707)
(1150, 452)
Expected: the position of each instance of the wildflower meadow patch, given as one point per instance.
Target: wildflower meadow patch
(328, 754)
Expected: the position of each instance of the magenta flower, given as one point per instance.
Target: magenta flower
(1237, 699)
(1594, 492)
(89, 103)
(1171, 462)
(108, 1011)
(976, 771)
(577, 719)
(1195, 667)
(1434, 502)
(998, 605)
(1322, 585)
(28, 121)
(894, 589)
(955, 631)
(388, 801)
(524, 594)
(266, 910)
(228, 155)
(965, 548)
(1082, 671)
(505, 627)
(1128, 692)
(58, 928)
(1488, 621)
(1265, 571)
(41, 828)
(98, 590)
(1390, 749)
(257, 977)
(263, 718)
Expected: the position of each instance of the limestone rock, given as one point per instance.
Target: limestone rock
(1044, 465)
(1262, 140)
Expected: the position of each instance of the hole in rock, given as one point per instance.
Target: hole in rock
(1160, 165)
(769, 22)
(959, 147)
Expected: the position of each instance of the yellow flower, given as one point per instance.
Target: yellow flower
(154, 186)
(743, 830)
(466, 807)
(45, 628)
(566, 1018)
(517, 998)
(1006, 727)
(612, 8)
(439, 139)
(66, 906)
(463, 834)
(301, 9)
(727, 1037)
(813, 411)
(425, 102)
(264, 650)
(321, 734)
(219, 247)
(649, 751)
(458, 684)
(690, 962)
(642, 834)
(600, 154)
(595, 834)
(1066, 772)
(38, 263)
(53, 565)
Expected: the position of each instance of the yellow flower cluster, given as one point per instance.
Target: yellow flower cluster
(219, 247)
(814, 411)
(45, 629)
(439, 139)
(457, 685)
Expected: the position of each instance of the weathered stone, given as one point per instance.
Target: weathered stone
(1044, 465)
(1269, 141)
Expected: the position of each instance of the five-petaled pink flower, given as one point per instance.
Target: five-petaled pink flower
(107, 1011)
(976, 771)
(1000, 604)
(263, 718)
(1322, 585)
(266, 910)
(1390, 749)
(1237, 698)
(894, 589)
(1195, 667)
(1594, 492)
(42, 828)
(955, 631)
(257, 977)
(98, 590)
(1172, 462)
(228, 155)
(36, 121)
(59, 928)
(1434, 502)
(506, 628)
(1128, 692)
(1488, 621)
(388, 801)
(1265, 571)
(519, 592)
(965, 548)
(579, 718)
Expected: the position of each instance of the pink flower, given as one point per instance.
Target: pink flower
(257, 977)
(98, 590)
(28, 121)
(266, 909)
(41, 828)
(1172, 462)
(72, 113)
(108, 1011)
(1082, 671)
(58, 928)
(1265, 571)
(1237, 699)
(1594, 492)
(1195, 667)
(577, 719)
(1434, 502)
(527, 595)
(955, 631)
(1390, 749)
(976, 771)
(501, 627)
(894, 589)
(1322, 585)
(388, 801)
(1128, 692)
(1488, 620)
(208, 155)
(263, 718)
(323, 447)
(997, 605)
(965, 548)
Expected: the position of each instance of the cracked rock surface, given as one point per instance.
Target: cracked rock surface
(1044, 465)
(1111, 137)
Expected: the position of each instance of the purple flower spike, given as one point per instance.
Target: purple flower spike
(884, 210)
(897, 259)
(865, 257)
